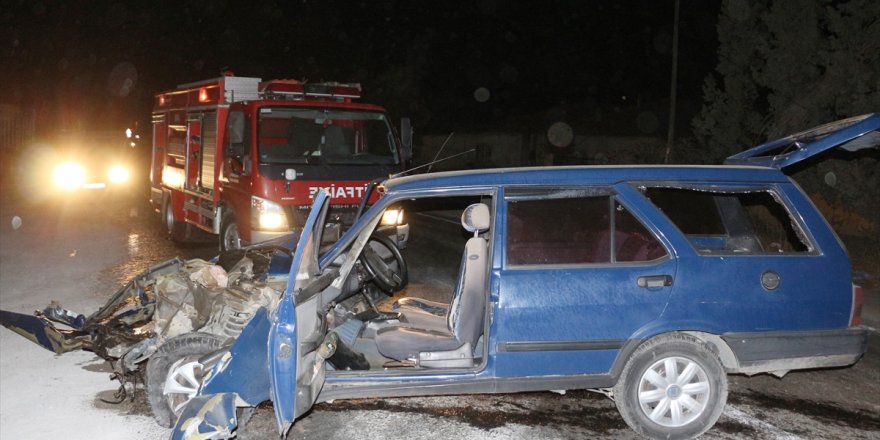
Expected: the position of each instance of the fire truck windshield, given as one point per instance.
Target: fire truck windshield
(325, 136)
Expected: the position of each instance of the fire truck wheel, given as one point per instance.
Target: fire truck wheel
(177, 231)
(229, 237)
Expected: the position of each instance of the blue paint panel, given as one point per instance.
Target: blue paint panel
(589, 303)
(283, 362)
(246, 373)
(551, 363)
(283, 352)
(30, 325)
(809, 295)
(280, 263)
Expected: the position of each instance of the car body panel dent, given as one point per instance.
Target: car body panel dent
(207, 417)
(42, 332)
(243, 368)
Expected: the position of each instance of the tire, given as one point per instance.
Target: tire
(698, 398)
(230, 238)
(172, 358)
(178, 231)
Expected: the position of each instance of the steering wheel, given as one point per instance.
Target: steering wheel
(380, 256)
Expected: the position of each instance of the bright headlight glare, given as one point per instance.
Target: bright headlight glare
(271, 220)
(117, 174)
(392, 217)
(69, 176)
(269, 215)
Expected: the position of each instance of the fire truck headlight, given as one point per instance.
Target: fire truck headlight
(117, 174)
(392, 217)
(69, 176)
(267, 215)
(272, 220)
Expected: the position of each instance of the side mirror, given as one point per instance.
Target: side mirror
(236, 166)
(406, 139)
(235, 127)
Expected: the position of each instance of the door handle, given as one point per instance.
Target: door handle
(654, 281)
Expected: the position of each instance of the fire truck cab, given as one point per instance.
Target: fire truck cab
(242, 158)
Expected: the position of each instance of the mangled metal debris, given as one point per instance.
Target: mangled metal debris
(170, 299)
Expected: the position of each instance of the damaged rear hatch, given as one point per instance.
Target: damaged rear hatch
(852, 134)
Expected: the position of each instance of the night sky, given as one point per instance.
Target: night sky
(601, 66)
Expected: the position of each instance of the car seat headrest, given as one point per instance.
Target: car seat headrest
(476, 218)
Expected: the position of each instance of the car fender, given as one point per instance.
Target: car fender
(208, 416)
(243, 369)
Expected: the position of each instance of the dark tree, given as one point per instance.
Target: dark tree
(787, 65)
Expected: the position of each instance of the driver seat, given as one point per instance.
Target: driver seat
(450, 345)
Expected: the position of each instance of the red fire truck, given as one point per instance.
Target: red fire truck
(242, 157)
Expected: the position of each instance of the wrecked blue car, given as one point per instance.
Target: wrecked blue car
(652, 283)
(649, 283)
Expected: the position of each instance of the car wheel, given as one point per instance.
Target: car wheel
(174, 374)
(672, 386)
(230, 238)
(178, 231)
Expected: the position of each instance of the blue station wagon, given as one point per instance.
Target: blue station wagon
(650, 283)
(653, 282)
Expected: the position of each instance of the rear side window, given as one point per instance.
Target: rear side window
(576, 230)
(731, 221)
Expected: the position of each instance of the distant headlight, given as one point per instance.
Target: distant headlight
(392, 217)
(69, 176)
(118, 174)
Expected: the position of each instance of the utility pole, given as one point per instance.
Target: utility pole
(670, 134)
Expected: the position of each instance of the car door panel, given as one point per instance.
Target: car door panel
(297, 332)
(574, 318)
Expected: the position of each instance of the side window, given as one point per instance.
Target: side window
(632, 240)
(718, 221)
(576, 230)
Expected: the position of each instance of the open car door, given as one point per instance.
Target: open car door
(297, 345)
(851, 134)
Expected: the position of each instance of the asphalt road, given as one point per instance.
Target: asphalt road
(82, 252)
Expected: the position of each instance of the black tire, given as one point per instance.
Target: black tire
(700, 397)
(230, 237)
(184, 348)
(178, 231)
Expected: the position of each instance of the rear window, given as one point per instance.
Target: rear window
(731, 221)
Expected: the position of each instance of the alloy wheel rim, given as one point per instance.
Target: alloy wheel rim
(182, 383)
(674, 391)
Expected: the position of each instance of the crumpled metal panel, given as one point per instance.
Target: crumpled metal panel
(244, 369)
(207, 417)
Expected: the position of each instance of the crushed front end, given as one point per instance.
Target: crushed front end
(172, 298)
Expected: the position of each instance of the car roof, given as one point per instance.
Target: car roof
(587, 175)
